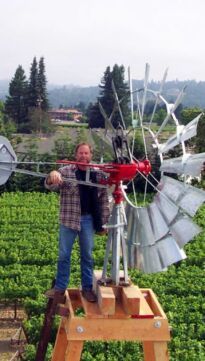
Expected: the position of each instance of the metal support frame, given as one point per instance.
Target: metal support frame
(116, 242)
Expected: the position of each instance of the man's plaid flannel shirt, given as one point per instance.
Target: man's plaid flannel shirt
(70, 210)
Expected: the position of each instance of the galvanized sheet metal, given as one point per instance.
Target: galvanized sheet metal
(150, 260)
(6, 155)
(189, 164)
(169, 251)
(159, 225)
(183, 133)
(167, 208)
(192, 200)
(171, 188)
(145, 234)
(187, 197)
(183, 230)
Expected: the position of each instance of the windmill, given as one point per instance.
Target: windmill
(152, 237)
(157, 233)
(163, 227)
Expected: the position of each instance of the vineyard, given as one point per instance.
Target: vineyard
(28, 258)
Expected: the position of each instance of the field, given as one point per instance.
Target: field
(28, 243)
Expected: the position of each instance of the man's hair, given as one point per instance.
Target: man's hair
(81, 144)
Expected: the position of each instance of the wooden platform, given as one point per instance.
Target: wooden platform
(121, 313)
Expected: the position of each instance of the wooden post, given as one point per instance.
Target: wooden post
(155, 351)
(73, 351)
(60, 344)
(66, 350)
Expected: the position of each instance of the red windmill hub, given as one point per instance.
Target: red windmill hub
(117, 173)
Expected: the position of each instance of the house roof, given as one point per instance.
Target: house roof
(65, 111)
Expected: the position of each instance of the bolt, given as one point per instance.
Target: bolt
(80, 329)
(157, 324)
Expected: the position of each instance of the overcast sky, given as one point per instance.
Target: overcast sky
(80, 38)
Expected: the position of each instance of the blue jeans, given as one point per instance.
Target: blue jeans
(66, 241)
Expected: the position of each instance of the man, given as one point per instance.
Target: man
(83, 210)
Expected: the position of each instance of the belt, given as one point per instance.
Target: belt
(85, 213)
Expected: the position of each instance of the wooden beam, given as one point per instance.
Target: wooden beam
(131, 300)
(155, 351)
(148, 348)
(91, 309)
(105, 295)
(153, 302)
(73, 351)
(128, 329)
(106, 300)
(134, 302)
(60, 344)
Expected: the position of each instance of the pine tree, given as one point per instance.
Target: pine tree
(16, 102)
(33, 91)
(107, 98)
(43, 96)
(122, 92)
(106, 94)
(95, 118)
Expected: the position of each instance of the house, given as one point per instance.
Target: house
(65, 114)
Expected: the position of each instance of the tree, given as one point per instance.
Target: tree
(122, 92)
(42, 91)
(33, 89)
(95, 118)
(64, 148)
(200, 138)
(106, 94)
(38, 98)
(81, 106)
(107, 98)
(16, 102)
(188, 114)
(159, 116)
(39, 121)
(149, 106)
(26, 96)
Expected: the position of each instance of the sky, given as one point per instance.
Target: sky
(80, 38)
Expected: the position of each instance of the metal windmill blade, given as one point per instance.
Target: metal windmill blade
(157, 95)
(170, 110)
(183, 133)
(157, 233)
(189, 164)
(110, 131)
(8, 156)
(117, 136)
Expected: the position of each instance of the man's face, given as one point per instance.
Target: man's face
(83, 155)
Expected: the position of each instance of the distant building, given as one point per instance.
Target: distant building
(65, 114)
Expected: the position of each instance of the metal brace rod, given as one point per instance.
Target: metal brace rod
(44, 175)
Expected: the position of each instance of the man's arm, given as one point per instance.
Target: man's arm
(53, 181)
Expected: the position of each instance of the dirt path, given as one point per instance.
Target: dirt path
(9, 330)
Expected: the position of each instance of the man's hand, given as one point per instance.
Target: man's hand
(54, 178)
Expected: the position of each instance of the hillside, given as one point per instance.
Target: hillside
(46, 143)
(72, 95)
